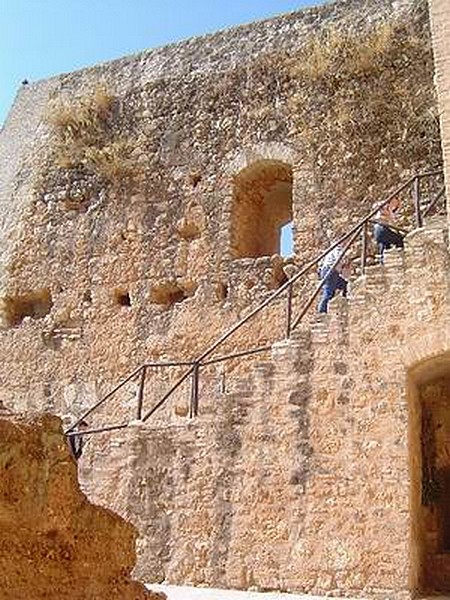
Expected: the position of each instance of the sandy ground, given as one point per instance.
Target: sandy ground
(175, 592)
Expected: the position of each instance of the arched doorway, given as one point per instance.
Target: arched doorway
(429, 397)
(262, 206)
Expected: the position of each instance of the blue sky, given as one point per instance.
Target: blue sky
(41, 38)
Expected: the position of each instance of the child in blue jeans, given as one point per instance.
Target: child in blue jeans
(333, 278)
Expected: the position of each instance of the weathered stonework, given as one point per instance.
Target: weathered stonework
(55, 544)
(99, 277)
(440, 22)
(303, 479)
(142, 219)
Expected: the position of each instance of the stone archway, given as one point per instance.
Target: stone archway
(429, 425)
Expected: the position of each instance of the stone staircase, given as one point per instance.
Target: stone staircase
(272, 459)
(399, 265)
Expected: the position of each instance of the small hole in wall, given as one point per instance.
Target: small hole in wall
(36, 304)
(87, 297)
(169, 293)
(194, 178)
(222, 290)
(122, 298)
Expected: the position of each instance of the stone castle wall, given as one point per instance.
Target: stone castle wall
(295, 475)
(101, 275)
(20, 143)
(440, 21)
(309, 476)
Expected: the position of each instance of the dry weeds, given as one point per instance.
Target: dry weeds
(365, 106)
(85, 136)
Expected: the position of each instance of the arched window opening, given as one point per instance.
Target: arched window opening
(262, 207)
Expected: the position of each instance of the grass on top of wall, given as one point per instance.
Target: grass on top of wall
(85, 136)
(366, 104)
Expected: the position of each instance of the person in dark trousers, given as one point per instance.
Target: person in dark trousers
(385, 232)
(332, 275)
(77, 442)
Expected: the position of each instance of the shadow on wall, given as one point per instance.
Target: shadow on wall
(36, 304)
(429, 429)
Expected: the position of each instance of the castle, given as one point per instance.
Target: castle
(253, 442)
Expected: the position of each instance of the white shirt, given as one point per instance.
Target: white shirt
(329, 260)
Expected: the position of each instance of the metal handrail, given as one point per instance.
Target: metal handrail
(168, 394)
(70, 433)
(235, 355)
(433, 203)
(103, 400)
(194, 365)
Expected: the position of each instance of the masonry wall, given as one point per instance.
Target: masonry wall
(133, 266)
(440, 21)
(296, 473)
(20, 143)
(309, 476)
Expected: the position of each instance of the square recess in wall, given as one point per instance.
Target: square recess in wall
(122, 298)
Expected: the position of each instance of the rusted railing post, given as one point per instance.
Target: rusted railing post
(430, 189)
(290, 291)
(416, 200)
(140, 394)
(434, 201)
(363, 248)
(193, 409)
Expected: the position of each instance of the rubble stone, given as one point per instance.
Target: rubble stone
(54, 543)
